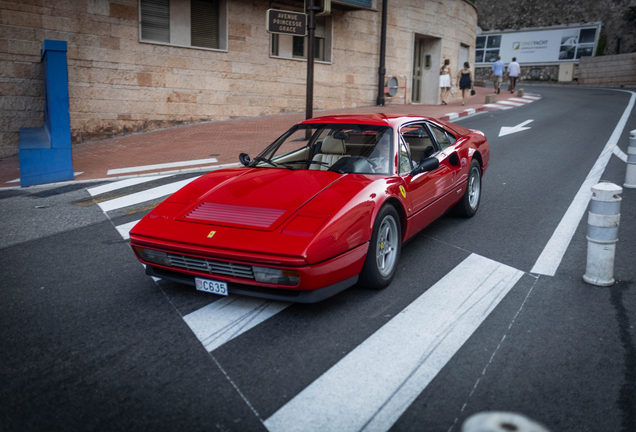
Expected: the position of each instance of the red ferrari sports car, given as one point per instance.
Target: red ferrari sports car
(326, 205)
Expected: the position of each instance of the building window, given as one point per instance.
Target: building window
(288, 46)
(188, 23)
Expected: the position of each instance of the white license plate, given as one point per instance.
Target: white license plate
(211, 286)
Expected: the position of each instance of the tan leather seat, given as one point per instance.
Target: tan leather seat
(332, 150)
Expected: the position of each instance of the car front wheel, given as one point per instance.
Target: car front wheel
(380, 265)
(469, 203)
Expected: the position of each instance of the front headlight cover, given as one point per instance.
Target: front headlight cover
(153, 256)
(276, 276)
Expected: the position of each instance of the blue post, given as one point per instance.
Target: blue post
(45, 153)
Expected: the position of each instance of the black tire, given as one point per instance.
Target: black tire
(469, 203)
(386, 241)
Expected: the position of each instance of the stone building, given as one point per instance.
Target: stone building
(137, 65)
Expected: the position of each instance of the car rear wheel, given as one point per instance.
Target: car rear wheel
(380, 265)
(469, 203)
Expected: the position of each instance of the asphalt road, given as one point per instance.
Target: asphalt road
(89, 342)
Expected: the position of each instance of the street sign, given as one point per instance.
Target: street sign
(286, 22)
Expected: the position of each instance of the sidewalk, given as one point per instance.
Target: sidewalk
(221, 140)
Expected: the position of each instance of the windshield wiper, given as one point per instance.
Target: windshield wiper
(329, 167)
(308, 161)
(274, 164)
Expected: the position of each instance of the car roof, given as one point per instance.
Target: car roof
(371, 119)
(380, 119)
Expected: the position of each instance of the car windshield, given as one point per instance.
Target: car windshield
(344, 148)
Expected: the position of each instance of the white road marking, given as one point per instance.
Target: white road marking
(229, 317)
(122, 184)
(161, 166)
(143, 196)
(618, 152)
(452, 116)
(470, 111)
(501, 107)
(371, 387)
(505, 130)
(124, 230)
(525, 101)
(507, 102)
(550, 259)
(532, 97)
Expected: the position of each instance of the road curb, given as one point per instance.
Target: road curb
(473, 111)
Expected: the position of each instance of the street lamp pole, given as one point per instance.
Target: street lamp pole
(382, 69)
(311, 27)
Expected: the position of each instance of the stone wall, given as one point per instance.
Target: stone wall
(618, 34)
(614, 70)
(528, 73)
(118, 85)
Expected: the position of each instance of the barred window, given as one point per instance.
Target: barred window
(189, 23)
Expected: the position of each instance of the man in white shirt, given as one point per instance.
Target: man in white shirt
(513, 73)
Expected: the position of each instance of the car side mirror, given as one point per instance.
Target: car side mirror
(244, 158)
(428, 164)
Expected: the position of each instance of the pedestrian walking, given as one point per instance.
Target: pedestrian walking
(445, 80)
(465, 78)
(513, 73)
(496, 75)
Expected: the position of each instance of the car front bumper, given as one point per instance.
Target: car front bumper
(316, 282)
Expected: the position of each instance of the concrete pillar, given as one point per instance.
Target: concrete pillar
(602, 233)
(501, 422)
(630, 174)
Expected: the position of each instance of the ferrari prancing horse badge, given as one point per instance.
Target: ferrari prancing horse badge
(403, 191)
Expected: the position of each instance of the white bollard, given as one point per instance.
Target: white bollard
(630, 174)
(494, 421)
(602, 233)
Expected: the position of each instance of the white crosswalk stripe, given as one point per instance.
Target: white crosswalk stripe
(147, 195)
(109, 187)
(525, 101)
(532, 97)
(161, 166)
(229, 317)
(501, 107)
(507, 102)
(124, 229)
(370, 388)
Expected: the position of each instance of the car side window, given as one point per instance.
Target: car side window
(406, 165)
(441, 137)
(418, 141)
(451, 138)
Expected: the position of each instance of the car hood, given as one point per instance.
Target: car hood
(256, 199)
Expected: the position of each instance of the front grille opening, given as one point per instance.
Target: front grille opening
(210, 266)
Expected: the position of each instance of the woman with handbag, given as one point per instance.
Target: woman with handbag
(465, 78)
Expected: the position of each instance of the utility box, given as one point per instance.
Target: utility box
(566, 72)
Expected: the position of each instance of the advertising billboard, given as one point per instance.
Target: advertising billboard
(538, 46)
